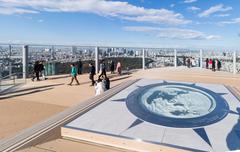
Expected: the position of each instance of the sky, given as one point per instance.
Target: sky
(135, 23)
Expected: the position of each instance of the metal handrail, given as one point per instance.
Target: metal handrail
(14, 74)
(9, 76)
(101, 46)
(2, 78)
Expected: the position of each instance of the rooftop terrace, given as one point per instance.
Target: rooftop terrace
(35, 102)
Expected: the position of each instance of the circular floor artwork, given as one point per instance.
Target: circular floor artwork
(177, 105)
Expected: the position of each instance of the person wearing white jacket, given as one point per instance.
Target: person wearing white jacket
(99, 87)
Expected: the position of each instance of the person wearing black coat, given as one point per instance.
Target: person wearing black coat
(112, 67)
(102, 69)
(214, 65)
(36, 70)
(80, 66)
(107, 84)
(219, 65)
(207, 65)
(92, 73)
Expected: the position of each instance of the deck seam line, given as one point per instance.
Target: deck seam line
(44, 149)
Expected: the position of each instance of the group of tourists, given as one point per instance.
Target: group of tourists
(190, 62)
(103, 83)
(110, 67)
(38, 70)
(213, 64)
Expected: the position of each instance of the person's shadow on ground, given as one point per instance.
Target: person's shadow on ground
(233, 138)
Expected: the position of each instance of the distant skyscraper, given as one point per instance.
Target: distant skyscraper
(52, 53)
(137, 53)
(74, 50)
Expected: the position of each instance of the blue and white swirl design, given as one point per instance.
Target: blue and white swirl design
(177, 101)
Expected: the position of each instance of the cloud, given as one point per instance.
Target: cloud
(213, 37)
(223, 15)
(116, 9)
(190, 1)
(193, 8)
(215, 9)
(232, 21)
(10, 10)
(172, 33)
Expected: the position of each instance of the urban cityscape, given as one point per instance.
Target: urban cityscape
(11, 56)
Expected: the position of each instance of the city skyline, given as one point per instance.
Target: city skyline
(136, 23)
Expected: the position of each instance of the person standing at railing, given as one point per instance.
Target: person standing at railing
(112, 67)
(210, 63)
(213, 65)
(119, 68)
(92, 73)
(80, 65)
(219, 65)
(193, 62)
(184, 61)
(189, 62)
(207, 61)
(36, 70)
(74, 75)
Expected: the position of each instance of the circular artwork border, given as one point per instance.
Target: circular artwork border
(135, 106)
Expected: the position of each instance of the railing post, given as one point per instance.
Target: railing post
(175, 58)
(201, 58)
(25, 61)
(14, 80)
(234, 62)
(10, 59)
(97, 59)
(0, 79)
(143, 59)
